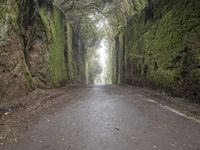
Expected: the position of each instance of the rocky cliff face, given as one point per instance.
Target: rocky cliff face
(39, 47)
(15, 78)
(161, 47)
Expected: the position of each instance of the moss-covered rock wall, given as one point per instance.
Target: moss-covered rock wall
(39, 47)
(161, 47)
(15, 78)
(118, 59)
(76, 53)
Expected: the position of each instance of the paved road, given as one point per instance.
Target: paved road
(111, 118)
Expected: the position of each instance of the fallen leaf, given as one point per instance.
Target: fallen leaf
(117, 129)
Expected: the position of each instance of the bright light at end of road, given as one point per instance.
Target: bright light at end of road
(103, 58)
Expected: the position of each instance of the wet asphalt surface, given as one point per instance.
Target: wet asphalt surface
(110, 118)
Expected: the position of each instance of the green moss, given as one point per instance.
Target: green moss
(2, 10)
(54, 26)
(70, 52)
(164, 78)
(66, 51)
(165, 50)
(28, 77)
